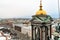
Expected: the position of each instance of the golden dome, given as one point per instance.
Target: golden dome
(41, 12)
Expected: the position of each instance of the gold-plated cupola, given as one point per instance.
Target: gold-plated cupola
(41, 11)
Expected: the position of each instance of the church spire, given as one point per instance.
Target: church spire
(40, 4)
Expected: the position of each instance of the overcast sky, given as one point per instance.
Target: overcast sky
(26, 8)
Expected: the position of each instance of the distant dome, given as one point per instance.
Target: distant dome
(41, 12)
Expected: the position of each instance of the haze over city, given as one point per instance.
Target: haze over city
(26, 8)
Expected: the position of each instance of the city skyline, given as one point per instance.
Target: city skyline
(26, 8)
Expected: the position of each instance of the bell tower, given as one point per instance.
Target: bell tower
(41, 25)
